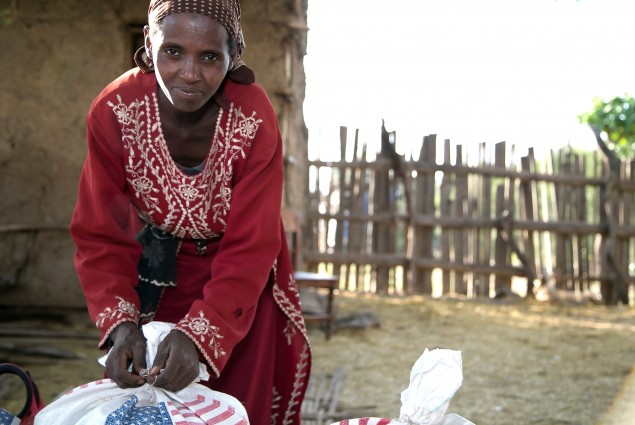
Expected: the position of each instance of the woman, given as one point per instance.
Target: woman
(178, 218)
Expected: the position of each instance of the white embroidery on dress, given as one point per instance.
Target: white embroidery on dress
(289, 331)
(295, 399)
(124, 308)
(183, 205)
(232, 141)
(142, 185)
(276, 398)
(201, 327)
(188, 192)
(248, 126)
(296, 320)
(125, 114)
(293, 287)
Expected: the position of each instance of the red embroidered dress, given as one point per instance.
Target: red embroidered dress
(238, 302)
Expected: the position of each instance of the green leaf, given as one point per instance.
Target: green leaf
(616, 119)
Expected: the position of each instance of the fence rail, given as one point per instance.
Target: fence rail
(439, 225)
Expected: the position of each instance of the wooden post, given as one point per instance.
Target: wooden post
(445, 209)
(424, 204)
(560, 268)
(628, 243)
(357, 206)
(461, 246)
(382, 240)
(502, 251)
(313, 226)
(615, 288)
(342, 233)
(482, 283)
(528, 195)
(582, 247)
(363, 197)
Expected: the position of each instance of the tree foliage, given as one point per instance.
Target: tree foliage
(615, 121)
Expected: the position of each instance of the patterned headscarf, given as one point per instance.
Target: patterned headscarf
(226, 12)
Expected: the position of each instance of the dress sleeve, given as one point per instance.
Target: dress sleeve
(247, 252)
(106, 251)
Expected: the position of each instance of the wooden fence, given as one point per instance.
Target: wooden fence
(448, 226)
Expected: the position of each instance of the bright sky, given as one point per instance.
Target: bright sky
(469, 70)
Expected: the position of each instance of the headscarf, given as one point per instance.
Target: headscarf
(226, 12)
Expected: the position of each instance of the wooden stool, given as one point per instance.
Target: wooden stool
(293, 230)
(319, 280)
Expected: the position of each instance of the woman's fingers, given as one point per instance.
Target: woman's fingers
(129, 347)
(117, 369)
(176, 362)
(138, 356)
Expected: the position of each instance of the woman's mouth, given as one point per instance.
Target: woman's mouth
(187, 92)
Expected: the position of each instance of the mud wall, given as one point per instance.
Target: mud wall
(56, 56)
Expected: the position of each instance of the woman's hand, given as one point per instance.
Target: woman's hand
(129, 346)
(176, 363)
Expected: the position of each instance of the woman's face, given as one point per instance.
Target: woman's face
(191, 58)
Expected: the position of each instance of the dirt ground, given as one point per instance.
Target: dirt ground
(524, 362)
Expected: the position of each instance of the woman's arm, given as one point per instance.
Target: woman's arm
(106, 252)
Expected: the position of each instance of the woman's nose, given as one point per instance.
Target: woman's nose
(190, 71)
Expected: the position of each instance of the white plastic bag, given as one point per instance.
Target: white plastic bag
(103, 402)
(434, 379)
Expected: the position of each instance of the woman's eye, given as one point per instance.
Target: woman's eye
(210, 57)
(171, 51)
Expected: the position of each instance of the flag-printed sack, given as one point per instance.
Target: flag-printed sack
(103, 402)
